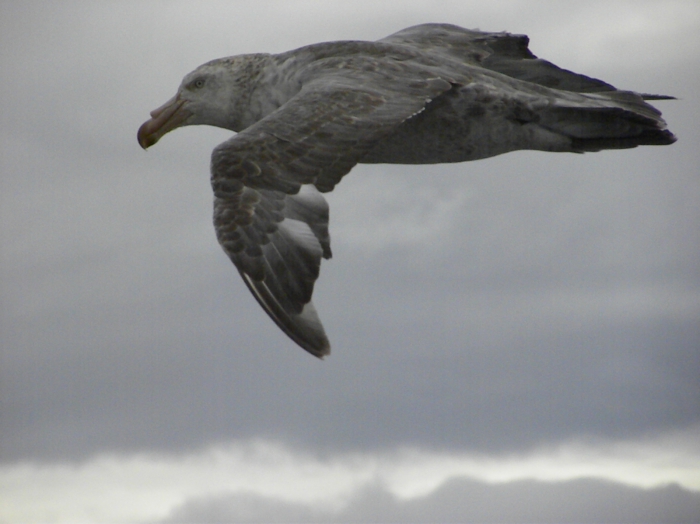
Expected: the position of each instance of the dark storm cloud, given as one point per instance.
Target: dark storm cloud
(465, 500)
(519, 301)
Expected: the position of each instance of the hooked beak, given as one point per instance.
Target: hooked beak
(167, 117)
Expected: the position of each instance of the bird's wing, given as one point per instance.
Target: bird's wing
(509, 55)
(269, 215)
(504, 53)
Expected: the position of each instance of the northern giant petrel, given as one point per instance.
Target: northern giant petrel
(428, 94)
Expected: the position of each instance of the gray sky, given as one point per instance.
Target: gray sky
(530, 307)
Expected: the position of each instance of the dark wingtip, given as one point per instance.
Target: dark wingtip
(651, 137)
(647, 96)
(322, 353)
(318, 348)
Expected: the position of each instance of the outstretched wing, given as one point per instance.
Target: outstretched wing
(623, 121)
(504, 53)
(269, 215)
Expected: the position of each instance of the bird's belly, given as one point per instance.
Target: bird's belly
(467, 124)
(436, 144)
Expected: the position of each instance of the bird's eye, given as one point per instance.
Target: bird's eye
(198, 83)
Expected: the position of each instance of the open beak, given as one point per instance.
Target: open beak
(167, 117)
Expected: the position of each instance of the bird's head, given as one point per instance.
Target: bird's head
(208, 95)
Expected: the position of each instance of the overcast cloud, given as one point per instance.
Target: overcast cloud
(463, 500)
(491, 313)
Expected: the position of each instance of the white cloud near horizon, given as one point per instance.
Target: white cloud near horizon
(157, 484)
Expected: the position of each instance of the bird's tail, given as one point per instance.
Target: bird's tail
(608, 120)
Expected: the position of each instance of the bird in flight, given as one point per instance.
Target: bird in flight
(432, 93)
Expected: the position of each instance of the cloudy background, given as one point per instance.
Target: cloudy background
(514, 339)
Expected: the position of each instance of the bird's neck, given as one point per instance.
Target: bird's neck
(272, 84)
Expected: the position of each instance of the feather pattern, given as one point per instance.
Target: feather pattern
(431, 93)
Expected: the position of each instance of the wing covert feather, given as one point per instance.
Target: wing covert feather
(503, 52)
(269, 215)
